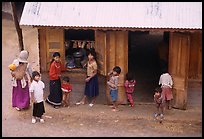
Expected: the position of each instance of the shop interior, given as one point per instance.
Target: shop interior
(77, 44)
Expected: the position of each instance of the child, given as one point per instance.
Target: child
(37, 98)
(56, 67)
(91, 87)
(66, 89)
(129, 88)
(166, 83)
(12, 67)
(113, 85)
(159, 103)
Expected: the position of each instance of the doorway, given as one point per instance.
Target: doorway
(146, 60)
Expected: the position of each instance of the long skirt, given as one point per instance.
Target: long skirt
(20, 96)
(38, 109)
(91, 87)
(55, 96)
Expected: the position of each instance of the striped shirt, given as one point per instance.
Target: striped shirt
(113, 82)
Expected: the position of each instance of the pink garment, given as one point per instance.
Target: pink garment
(167, 93)
(130, 86)
(129, 96)
(20, 96)
(129, 89)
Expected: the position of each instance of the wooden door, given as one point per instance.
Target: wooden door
(43, 52)
(100, 47)
(117, 55)
(178, 67)
(55, 43)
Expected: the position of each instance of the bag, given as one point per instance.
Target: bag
(20, 71)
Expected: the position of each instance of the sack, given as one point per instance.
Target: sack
(20, 71)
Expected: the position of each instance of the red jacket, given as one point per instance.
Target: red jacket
(66, 87)
(55, 70)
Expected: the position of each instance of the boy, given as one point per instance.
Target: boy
(159, 103)
(113, 85)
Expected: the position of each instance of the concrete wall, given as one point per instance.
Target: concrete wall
(6, 7)
(31, 43)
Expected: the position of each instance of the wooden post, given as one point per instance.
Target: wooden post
(18, 29)
(117, 53)
(179, 67)
(121, 57)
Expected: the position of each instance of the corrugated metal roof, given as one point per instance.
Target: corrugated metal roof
(114, 14)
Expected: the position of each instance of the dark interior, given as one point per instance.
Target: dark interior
(77, 45)
(144, 63)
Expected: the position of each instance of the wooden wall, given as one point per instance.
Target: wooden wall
(112, 50)
(195, 65)
(100, 47)
(178, 67)
(117, 55)
(43, 52)
(51, 40)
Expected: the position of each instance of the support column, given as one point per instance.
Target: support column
(117, 55)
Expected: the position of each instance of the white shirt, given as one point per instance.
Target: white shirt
(37, 89)
(166, 80)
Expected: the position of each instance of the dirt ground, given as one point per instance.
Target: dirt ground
(96, 121)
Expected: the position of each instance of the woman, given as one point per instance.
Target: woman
(20, 93)
(56, 67)
(91, 87)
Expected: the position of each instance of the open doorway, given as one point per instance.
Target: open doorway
(147, 56)
(77, 44)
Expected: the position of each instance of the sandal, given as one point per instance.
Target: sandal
(18, 109)
(56, 107)
(79, 103)
(33, 120)
(91, 104)
(115, 110)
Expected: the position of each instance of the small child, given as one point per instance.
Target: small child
(166, 83)
(66, 89)
(113, 85)
(159, 103)
(129, 88)
(37, 97)
(12, 67)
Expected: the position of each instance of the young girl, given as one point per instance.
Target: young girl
(66, 89)
(166, 83)
(91, 87)
(37, 98)
(129, 88)
(159, 103)
(55, 96)
(113, 85)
